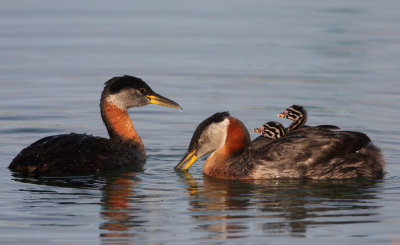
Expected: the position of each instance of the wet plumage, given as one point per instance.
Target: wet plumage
(67, 154)
(309, 152)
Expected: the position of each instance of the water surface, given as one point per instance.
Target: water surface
(339, 59)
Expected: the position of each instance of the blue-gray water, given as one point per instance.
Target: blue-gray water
(340, 59)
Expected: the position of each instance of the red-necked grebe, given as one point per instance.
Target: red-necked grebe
(67, 154)
(309, 152)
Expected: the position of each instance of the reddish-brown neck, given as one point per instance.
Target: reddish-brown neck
(237, 140)
(119, 124)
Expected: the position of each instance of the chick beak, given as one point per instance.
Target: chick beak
(283, 114)
(257, 130)
(161, 100)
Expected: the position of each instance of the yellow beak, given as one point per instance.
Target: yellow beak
(161, 100)
(190, 158)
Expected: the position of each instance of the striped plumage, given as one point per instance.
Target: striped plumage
(297, 114)
(272, 130)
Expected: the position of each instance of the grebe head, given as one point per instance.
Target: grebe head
(128, 91)
(209, 136)
(272, 130)
(294, 112)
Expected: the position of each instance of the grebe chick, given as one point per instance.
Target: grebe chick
(67, 154)
(298, 114)
(313, 152)
(271, 130)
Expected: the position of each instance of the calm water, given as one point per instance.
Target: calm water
(254, 58)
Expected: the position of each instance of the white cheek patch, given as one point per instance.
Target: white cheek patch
(126, 98)
(115, 100)
(213, 137)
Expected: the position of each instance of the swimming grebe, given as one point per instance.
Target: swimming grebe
(80, 153)
(312, 152)
(298, 115)
(272, 130)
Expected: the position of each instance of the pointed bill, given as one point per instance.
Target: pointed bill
(189, 159)
(161, 100)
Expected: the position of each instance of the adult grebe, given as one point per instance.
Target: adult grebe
(312, 152)
(272, 130)
(80, 153)
(298, 115)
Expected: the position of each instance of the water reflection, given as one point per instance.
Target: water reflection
(293, 206)
(234, 209)
(218, 209)
(215, 203)
(82, 182)
(117, 194)
(116, 208)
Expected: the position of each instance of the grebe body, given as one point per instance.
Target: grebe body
(310, 152)
(68, 154)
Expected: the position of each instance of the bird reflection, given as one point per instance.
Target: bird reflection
(116, 205)
(288, 207)
(293, 206)
(117, 209)
(215, 204)
(118, 195)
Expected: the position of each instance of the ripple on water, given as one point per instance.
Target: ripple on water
(252, 58)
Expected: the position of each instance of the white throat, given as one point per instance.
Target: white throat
(115, 99)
